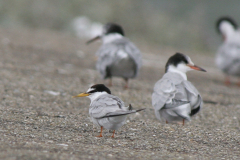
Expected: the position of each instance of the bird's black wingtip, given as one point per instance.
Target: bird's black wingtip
(140, 109)
(130, 107)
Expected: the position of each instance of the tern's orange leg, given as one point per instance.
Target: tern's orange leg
(126, 84)
(113, 133)
(100, 135)
(183, 121)
(238, 83)
(110, 82)
(227, 81)
(166, 122)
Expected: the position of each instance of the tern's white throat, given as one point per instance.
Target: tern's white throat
(180, 69)
(111, 37)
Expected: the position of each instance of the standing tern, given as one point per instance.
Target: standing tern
(175, 98)
(228, 54)
(118, 56)
(106, 110)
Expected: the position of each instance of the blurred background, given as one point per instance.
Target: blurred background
(188, 25)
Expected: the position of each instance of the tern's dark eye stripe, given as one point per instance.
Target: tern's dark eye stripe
(92, 91)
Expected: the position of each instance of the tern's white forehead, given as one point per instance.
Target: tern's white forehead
(90, 89)
(189, 60)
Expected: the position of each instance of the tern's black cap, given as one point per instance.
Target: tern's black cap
(113, 28)
(176, 59)
(228, 19)
(100, 88)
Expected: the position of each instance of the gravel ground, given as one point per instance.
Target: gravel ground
(41, 70)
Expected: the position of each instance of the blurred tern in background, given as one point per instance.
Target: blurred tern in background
(228, 54)
(118, 56)
(175, 98)
(106, 110)
(85, 28)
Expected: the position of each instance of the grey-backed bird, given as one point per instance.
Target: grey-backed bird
(175, 98)
(228, 54)
(106, 110)
(118, 56)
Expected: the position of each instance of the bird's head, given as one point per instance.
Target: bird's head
(226, 26)
(94, 91)
(110, 29)
(181, 63)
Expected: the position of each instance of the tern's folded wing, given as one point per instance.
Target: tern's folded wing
(134, 52)
(119, 113)
(164, 92)
(175, 103)
(194, 97)
(190, 88)
(106, 105)
(108, 53)
(106, 57)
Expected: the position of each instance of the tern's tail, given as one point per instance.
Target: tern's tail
(130, 108)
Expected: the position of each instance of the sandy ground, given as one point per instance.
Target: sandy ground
(41, 70)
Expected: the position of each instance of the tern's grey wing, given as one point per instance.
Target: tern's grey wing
(228, 58)
(169, 98)
(106, 57)
(134, 52)
(106, 49)
(110, 52)
(164, 92)
(107, 105)
(194, 97)
(167, 89)
(175, 103)
(190, 87)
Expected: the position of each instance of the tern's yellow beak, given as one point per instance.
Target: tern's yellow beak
(81, 95)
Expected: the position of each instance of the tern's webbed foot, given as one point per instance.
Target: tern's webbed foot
(100, 135)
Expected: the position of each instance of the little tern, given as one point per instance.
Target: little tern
(106, 110)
